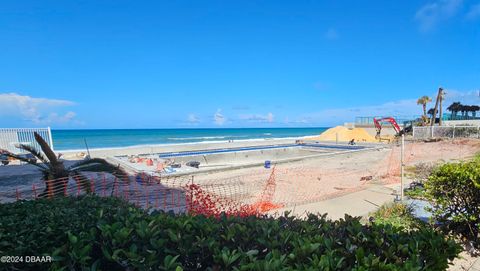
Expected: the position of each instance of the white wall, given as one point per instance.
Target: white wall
(461, 122)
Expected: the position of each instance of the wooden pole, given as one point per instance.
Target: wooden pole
(436, 106)
(440, 114)
(402, 167)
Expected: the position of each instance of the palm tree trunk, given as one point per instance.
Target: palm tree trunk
(440, 113)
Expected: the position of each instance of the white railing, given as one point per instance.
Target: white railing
(426, 132)
(11, 137)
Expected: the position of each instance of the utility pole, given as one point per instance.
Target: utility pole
(440, 114)
(402, 154)
(436, 106)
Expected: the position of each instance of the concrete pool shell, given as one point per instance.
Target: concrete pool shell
(232, 158)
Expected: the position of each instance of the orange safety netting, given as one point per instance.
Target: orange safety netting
(202, 202)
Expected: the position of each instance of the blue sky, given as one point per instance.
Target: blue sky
(156, 64)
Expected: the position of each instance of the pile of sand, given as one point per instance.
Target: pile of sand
(345, 134)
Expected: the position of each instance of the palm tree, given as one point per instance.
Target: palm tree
(468, 109)
(430, 112)
(475, 108)
(464, 109)
(454, 108)
(423, 101)
(440, 107)
(56, 175)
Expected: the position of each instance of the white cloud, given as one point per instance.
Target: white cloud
(473, 13)
(37, 111)
(258, 118)
(433, 13)
(270, 117)
(331, 34)
(471, 97)
(299, 121)
(219, 118)
(340, 115)
(407, 108)
(54, 118)
(193, 119)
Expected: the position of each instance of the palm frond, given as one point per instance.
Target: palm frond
(85, 162)
(46, 149)
(98, 165)
(34, 152)
(26, 160)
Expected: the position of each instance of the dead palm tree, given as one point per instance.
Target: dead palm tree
(423, 101)
(56, 175)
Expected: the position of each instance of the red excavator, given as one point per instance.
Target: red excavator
(378, 126)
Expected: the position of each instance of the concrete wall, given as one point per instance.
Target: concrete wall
(461, 122)
(242, 157)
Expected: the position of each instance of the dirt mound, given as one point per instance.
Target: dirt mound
(345, 134)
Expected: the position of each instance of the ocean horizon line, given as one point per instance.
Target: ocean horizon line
(185, 128)
(182, 144)
(119, 138)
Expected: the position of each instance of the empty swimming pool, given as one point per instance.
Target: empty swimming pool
(215, 159)
(267, 147)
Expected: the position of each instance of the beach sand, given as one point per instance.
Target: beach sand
(317, 179)
(294, 183)
(148, 149)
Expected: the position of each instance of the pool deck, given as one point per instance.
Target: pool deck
(254, 148)
(316, 150)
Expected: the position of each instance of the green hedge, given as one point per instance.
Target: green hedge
(397, 215)
(454, 190)
(107, 234)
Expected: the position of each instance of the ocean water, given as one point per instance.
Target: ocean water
(111, 138)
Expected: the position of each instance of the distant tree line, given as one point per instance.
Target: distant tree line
(465, 110)
(457, 107)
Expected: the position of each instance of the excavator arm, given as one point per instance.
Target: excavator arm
(378, 125)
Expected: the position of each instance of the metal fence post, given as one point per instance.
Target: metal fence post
(50, 137)
(431, 130)
(453, 136)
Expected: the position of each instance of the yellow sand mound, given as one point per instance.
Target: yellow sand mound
(345, 134)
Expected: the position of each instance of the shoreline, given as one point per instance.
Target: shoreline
(106, 139)
(176, 147)
(242, 142)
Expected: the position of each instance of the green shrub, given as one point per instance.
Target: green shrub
(455, 194)
(417, 192)
(107, 234)
(421, 171)
(476, 158)
(397, 215)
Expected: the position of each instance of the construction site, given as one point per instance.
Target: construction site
(236, 180)
(264, 176)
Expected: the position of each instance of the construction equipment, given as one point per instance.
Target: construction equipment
(396, 127)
